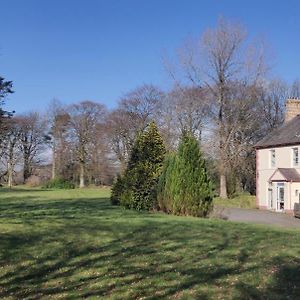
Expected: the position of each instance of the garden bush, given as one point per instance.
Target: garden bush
(59, 183)
(117, 190)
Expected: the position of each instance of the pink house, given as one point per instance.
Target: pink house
(278, 165)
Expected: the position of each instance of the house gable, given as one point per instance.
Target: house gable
(285, 174)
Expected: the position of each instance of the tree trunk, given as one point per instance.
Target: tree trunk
(222, 173)
(53, 162)
(10, 166)
(223, 188)
(26, 169)
(81, 176)
(222, 164)
(123, 165)
(10, 175)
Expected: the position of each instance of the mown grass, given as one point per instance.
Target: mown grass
(240, 201)
(73, 244)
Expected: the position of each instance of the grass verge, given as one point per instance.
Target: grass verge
(241, 201)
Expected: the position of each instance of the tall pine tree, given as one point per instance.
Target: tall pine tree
(139, 184)
(184, 186)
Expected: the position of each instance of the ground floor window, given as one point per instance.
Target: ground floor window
(270, 195)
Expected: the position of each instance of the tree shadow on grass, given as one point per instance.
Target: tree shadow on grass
(132, 260)
(283, 281)
(35, 207)
(32, 209)
(114, 266)
(85, 247)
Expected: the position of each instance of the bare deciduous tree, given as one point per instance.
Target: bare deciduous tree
(32, 140)
(222, 59)
(191, 109)
(58, 119)
(135, 110)
(295, 89)
(141, 105)
(85, 118)
(272, 96)
(121, 135)
(10, 150)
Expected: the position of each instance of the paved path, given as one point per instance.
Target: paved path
(259, 217)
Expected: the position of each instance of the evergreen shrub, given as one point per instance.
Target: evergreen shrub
(184, 186)
(139, 183)
(59, 183)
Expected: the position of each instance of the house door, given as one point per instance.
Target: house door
(280, 197)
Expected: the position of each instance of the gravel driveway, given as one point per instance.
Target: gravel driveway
(259, 217)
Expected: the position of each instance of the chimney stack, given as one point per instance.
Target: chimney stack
(292, 108)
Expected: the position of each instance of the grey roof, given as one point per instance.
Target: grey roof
(287, 134)
(290, 174)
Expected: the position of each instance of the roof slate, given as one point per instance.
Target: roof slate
(287, 134)
(290, 174)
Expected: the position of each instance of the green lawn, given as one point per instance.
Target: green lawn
(73, 244)
(241, 201)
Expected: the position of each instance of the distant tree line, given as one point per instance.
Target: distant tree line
(223, 95)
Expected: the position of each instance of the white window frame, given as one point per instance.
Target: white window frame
(270, 195)
(295, 159)
(272, 158)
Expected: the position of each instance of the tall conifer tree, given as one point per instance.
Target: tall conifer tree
(185, 188)
(144, 168)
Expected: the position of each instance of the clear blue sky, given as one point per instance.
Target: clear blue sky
(98, 50)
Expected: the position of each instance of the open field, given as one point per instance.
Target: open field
(74, 244)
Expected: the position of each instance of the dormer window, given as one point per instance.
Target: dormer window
(295, 157)
(272, 158)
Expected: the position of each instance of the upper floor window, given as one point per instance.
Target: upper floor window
(295, 157)
(272, 158)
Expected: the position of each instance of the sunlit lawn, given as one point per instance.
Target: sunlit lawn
(240, 201)
(73, 244)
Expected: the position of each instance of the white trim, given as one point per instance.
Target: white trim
(279, 186)
(294, 165)
(272, 163)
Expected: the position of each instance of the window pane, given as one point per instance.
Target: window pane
(295, 157)
(273, 158)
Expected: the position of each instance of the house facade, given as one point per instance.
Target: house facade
(278, 164)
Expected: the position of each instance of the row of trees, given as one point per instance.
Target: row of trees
(69, 139)
(78, 137)
(221, 95)
(89, 143)
(22, 143)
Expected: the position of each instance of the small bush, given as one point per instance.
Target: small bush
(117, 190)
(59, 183)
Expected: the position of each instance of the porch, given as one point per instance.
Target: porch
(284, 190)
